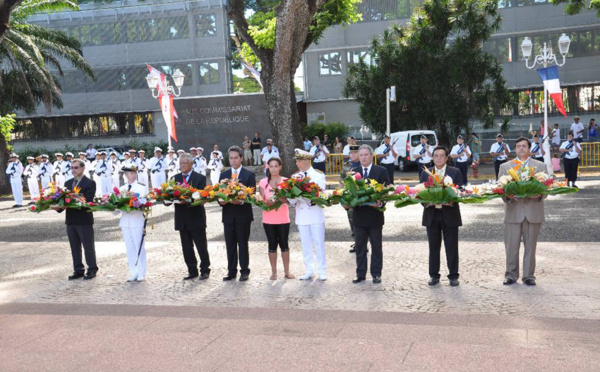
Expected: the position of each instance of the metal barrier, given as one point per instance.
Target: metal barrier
(590, 155)
(335, 162)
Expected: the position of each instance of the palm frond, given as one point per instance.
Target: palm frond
(31, 7)
(29, 63)
(26, 43)
(50, 34)
(52, 61)
(69, 54)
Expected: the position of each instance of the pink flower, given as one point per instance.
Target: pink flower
(400, 189)
(32, 208)
(67, 200)
(116, 190)
(357, 176)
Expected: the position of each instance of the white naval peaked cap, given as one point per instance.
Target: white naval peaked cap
(171, 149)
(30, 158)
(13, 155)
(300, 154)
(58, 154)
(180, 150)
(200, 149)
(192, 149)
(44, 156)
(69, 154)
(81, 153)
(157, 149)
(141, 151)
(113, 153)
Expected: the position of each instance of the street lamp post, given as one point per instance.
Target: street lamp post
(160, 88)
(546, 57)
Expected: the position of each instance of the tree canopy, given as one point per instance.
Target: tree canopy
(573, 7)
(443, 78)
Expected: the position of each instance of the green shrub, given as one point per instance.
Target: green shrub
(335, 129)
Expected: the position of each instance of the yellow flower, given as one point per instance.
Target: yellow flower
(373, 182)
(211, 193)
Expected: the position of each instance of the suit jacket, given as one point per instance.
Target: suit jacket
(519, 210)
(451, 215)
(81, 216)
(190, 218)
(367, 216)
(239, 213)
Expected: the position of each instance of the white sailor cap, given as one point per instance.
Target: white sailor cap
(126, 154)
(13, 155)
(69, 154)
(81, 153)
(102, 152)
(113, 153)
(140, 151)
(300, 154)
(199, 149)
(58, 154)
(171, 149)
(180, 151)
(30, 158)
(192, 149)
(44, 156)
(157, 149)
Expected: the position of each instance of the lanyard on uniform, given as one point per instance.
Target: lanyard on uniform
(571, 144)
(423, 148)
(536, 148)
(460, 150)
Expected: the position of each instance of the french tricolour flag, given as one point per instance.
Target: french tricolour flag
(166, 102)
(549, 76)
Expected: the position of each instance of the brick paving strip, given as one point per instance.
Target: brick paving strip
(60, 337)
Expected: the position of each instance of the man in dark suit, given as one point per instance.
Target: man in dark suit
(80, 224)
(443, 220)
(368, 221)
(191, 222)
(237, 218)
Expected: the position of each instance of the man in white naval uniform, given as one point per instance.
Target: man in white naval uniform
(59, 178)
(96, 177)
(66, 172)
(423, 154)
(104, 171)
(14, 169)
(46, 171)
(127, 162)
(171, 161)
(310, 220)
(116, 165)
(88, 164)
(142, 165)
(319, 155)
(31, 174)
(461, 153)
(386, 156)
(177, 167)
(132, 227)
(200, 163)
(158, 168)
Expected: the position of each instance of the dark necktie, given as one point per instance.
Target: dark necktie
(366, 174)
(129, 188)
(305, 174)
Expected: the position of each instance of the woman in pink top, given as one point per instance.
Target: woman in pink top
(276, 222)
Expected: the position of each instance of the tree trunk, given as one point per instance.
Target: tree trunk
(4, 184)
(6, 8)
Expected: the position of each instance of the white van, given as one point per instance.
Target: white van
(406, 142)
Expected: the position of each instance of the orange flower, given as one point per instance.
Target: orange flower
(204, 194)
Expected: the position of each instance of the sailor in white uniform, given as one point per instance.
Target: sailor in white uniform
(178, 169)
(500, 152)
(158, 168)
(31, 175)
(172, 164)
(386, 156)
(116, 169)
(104, 171)
(66, 172)
(319, 155)
(14, 169)
(423, 154)
(132, 227)
(59, 178)
(200, 162)
(86, 162)
(537, 149)
(45, 171)
(127, 162)
(461, 154)
(96, 177)
(142, 169)
(216, 166)
(310, 220)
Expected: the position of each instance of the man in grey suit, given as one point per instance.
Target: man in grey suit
(523, 218)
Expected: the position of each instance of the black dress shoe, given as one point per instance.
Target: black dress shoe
(376, 280)
(358, 280)
(89, 276)
(352, 250)
(244, 277)
(76, 276)
(204, 276)
(508, 281)
(529, 281)
(190, 277)
(454, 283)
(229, 277)
(433, 281)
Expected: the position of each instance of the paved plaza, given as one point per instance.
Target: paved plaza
(164, 323)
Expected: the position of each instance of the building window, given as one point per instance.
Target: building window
(209, 73)
(206, 25)
(582, 99)
(354, 56)
(501, 49)
(157, 29)
(186, 69)
(330, 64)
(124, 124)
